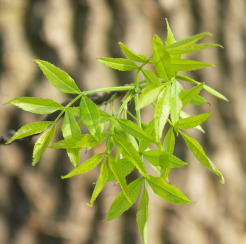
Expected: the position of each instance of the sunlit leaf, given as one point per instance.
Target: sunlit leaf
(130, 153)
(89, 114)
(169, 141)
(58, 78)
(168, 192)
(118, 63)
(100, 182)
(162, 111)
(198, 100)
(36, 105)
(142, 215)
(130, 54)
(42, 143)
(170, 36)
(150, 77)
(30, 129)
(86, 166)
(150, 129)
(193, 121)
(121, 204)
(163, 159)
(198, 152)
(119, 175)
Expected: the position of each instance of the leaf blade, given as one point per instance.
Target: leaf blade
(130, 54)
(120, 64)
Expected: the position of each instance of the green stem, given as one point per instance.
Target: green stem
(107, 89)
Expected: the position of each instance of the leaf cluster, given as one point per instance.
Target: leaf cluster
(129, 141)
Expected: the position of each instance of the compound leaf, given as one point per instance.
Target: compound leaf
(58, 78)
(42, 143)
(119, 63)
(30, 129)
(90, 115)
(121, 204)
(168, 192)
(142, 215)
(86, 166)
(198, 152)
(36, 105)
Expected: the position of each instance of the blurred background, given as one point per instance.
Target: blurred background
(36, 206)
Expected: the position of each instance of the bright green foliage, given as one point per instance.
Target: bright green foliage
(128, 143)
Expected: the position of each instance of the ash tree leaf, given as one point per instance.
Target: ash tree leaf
(198, 152)
(100, 182)
(120, 64)
(150, 129)
(175, 102)
(119, 175)
(189, 95)
(170, 36)
(169, 141)
(198, 100)
(162, 60)
(188, 65)
(162, 111)
(36, 105)
(166, 191)
(70, 128)
(193, 121)
(184, 115)
(133, 129)
(130, 153)
(150, 77)
(90, 115)
(189, 41)
(86, 140)
(126, 167)
(192, 48)
(130, 54)
(58, 78)
(207, 88)
(42, 143)
(149, 95)
(163, 159)
(86, 166)
(121, 204)
(142, 215)
(30, 129)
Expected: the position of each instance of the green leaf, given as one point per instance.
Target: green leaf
(130, 54)
(184, 115)
(130, 153)
(149, 95)
(71, 129)
(162, 111)
(207, 88)
(150, 77)
(188, 96)
(170, 36)
(163, 159)
(100, 182)
(198, 152)
(168, 192)
(133, 129)
(104, 116)
(162, 60)
(121, 204)
(188, 65)
(58, 78)
(86, 166)
(30, 129)
(192, 48)
(86, 140)
(189, 41)
(36, 105)
(175, 102)
(169, 141)
(150, 129)
(126, 167)
(119, 175)
(42, 143)
(89, 114)
(193, 121)
(198, 100)
(118, 63)
(142, 215)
